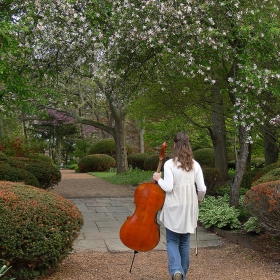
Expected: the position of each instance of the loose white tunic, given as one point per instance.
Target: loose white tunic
(180, 210)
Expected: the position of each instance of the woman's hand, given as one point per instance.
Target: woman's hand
(156, 176)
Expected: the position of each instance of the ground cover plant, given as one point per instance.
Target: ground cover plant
(37, 229)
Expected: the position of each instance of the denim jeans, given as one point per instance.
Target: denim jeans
(178, 250)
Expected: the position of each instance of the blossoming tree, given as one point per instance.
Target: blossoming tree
(231, 45)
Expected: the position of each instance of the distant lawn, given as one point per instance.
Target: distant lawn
(134, 177)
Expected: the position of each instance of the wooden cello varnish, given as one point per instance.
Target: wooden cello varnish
(140, 232)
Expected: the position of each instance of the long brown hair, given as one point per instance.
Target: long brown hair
(183, 151)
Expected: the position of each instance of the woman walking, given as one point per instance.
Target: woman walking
(180, 210)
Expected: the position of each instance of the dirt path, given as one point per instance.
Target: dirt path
(77, 185)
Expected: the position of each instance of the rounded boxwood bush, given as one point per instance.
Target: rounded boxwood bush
(205, 157)
(263, 201)
(13, 174)
(96, 163)
(47, 174)
(272, 175)
(151, 163)
(42, 157)
(136, 160)
(264, 170)
(3, 157)
(37, 229)
(107, 147)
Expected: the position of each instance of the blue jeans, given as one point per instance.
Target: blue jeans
(178, 251)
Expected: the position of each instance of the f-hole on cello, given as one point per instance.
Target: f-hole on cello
(140, 232)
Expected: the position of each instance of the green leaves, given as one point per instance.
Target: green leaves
(216, 212)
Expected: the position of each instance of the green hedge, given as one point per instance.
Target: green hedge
(205, 157)
(13, 174)
(151, 162)
(37, 229)
(136, 160)
(265, 170)
(272, 175)
(47, 174)
(107, 147)
(212, 178)
(96, 163)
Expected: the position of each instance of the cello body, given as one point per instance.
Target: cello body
(140, 232)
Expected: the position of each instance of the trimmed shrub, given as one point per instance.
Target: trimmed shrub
(264, 170)
(272, 175)
(137, 160)
(37, 229)
(263, 202)
(212, 177)
(13, 174)
(96, 162)
(151, 162)
(47, 174)
(104, 146)
(205, 157)
(43, 157)
(3, 157)
(107, 147)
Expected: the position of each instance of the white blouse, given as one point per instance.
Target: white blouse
(180, 210)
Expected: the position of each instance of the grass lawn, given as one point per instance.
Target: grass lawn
(134, 177)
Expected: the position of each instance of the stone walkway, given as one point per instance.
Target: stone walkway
(105, 207)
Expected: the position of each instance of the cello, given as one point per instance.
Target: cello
(140, 232)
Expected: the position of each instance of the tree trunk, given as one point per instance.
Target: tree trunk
(240, 167)
(1, 129)
(120, 139)
(271, 151)
(141, 140)
(218, 134)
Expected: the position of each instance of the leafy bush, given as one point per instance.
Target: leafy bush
(272, 175)
(13, 174)
(257, 162)
(104, 146)
(263, 202)
(216, 212)
(47, 174)
(205, 157)
(37, 229)
(212, 177)
(96, 162)
(246, 180)
(252, 225)
(264, 170)
(17, 147)
(107, 147)
(136, 160)
(151, 162)
(3, 157)
(42, 157)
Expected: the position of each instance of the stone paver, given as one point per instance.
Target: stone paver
(105, 207)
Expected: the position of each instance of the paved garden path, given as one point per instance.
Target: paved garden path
(105, 207)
